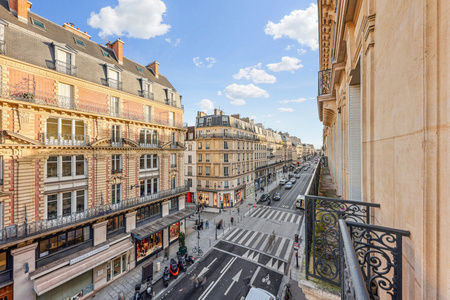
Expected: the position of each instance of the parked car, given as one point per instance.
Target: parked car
(259, 294)
(293, 180)
(282, 181)
(276, 197)
(297, 175)
(288, 185)
(264, 197)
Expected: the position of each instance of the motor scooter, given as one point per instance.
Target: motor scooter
(174, 270)
(189, 259)
(149, 289)
(166, 276)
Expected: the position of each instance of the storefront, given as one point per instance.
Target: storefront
(174, 231)
(227, 202)
(203, 198)
(238, 195)
(149, 246)
(73, 289)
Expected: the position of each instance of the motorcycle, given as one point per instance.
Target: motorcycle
(166, 276)
(181, 263)
(137, 293)
(149, 289)
(189, 259)
(174, 270)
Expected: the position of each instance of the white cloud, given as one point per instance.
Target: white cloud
(287, 64)
(219, 93)
(239, 92)
(174, 43)
(293, 100)
(301, 51)
(255, 74)
(300, 25)
(206, 105)
(285, 109)
(132, 18)
(288, 47)
(208, 62)
(238, 102)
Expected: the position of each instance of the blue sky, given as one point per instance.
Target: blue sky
(258, 58)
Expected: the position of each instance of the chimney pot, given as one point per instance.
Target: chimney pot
(155, 68)
(117, 47)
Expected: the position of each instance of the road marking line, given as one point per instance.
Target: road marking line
(207, 289)
(251, 238)
(231, 234)
(288, 250)
(234, 280)
(281, 268)
(269, 263)
(228, 264)
(267, 213)
(238, 235)
(243, 237)
(254, 275)
(245, 255)
(290, 218)
(280, 247)
(255, 212)
(260, 235)
(281, 216)
(271, 213)
(263, 245)
(206, 293)
(298, 220)
(256, 257)
(263, 210)
(287, 217)
(276, 215)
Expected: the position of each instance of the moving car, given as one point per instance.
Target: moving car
(259, 294)
(297, 175)
(293, 180)
(264, 197)
(288, 185)
(276, 197)
(282, 181)
(300, 202)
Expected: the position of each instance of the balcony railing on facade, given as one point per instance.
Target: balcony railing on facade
(64, 140)
(114, 83)
(342, 248)
(155, 145)
(66, 68)
(147, 94)
(27, 91)
(324, 82)
(116, 142)
(21, 231)
(227, 136)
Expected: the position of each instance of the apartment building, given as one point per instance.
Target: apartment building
(190, 163)
(383, 98)
(234, 157)
(91, 149)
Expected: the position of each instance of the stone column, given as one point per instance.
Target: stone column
(166, 237)
(181, 202)
(24, 260)
(99, 232)
(165, 208)
(130, 221)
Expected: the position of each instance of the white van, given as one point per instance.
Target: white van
(300, 202)
(259, 294)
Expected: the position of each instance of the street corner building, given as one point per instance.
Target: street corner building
(91, 149)
(383, 98)
(233, 158)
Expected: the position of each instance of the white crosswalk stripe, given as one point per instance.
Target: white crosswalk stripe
(280, 247)
(271, 214)
(231, 234)
(251, 238)
(243, 237)
(237, 235)
(288, 251)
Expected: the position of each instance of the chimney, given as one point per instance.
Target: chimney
(71, 28)
(155, 68)
(20, 8)
(201, 114)
(216, 112)
(117, 47)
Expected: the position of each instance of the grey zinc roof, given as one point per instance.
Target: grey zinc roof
(57, 33)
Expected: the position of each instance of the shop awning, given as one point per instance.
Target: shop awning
(54, 279)
(146, 230)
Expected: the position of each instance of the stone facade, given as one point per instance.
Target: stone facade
(384, 102)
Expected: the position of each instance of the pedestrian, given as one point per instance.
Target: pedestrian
(238, 210)
(232, 220)
(121, 296)
(207, 224)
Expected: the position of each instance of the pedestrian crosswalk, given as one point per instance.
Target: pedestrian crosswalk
(279, 247)
(276, 215)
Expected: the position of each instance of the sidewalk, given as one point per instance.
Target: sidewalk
(125, 284)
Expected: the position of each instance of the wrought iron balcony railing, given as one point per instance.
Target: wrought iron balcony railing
(150, 145)
(227, 135)
(63, 67)
(116, 142)
(64, 140)
(115, 84)
(147, 94)
(324, 82)
(21, 231)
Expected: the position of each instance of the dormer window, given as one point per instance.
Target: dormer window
(38, 24)
(146, 89)
(79, 42)
(105, 53)
(65, 59)
(113, 77)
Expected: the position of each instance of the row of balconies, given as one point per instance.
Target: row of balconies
(26, 91)
(24, 230)
(226, 136)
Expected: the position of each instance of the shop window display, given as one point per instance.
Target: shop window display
(148, 246)
(174, 231)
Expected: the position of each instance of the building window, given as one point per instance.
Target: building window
(207, 183)
(59, 167)
(148, 137)
(116, 135)
(65, 95)
(207, 145)
(225, 145)
(199, 158)
(116, 193)
(148, 212)
(116, 163)
(64, 62)
(114, 106)
(173, 204)
(225, 157)
(226, 184)
(173, 160)
(173, 182)
(66, 203)
(148, 113)
(189, 171)
(52, 207)
(200, 170)
(208, 171)
(114, 79)
(79, 42)
(148, 161)
(64, 132)
(63, 240)
(189, 159)
(171, 118)
(38, 24)
(115, 225)
(148, 186)
(225, 171)
(116, 267)
(207, 157)
(189, 182)
(199, 145)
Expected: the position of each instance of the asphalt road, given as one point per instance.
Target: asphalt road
(289, 196)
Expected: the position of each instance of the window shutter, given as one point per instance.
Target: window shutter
(354, 142)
